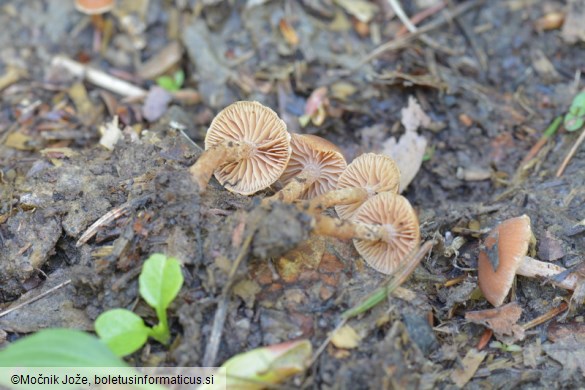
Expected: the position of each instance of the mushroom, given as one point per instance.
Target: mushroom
(366, 176)
(385, 229)
(95, 9)
(314, 167)
(247, 146)
(504, 256)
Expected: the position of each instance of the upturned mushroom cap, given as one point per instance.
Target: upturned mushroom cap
(94, 7)
(373, 172)
(320, 158)
(508, 241)
(266, 134)
(394, 213)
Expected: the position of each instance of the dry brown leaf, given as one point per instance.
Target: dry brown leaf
(345, 337)
(305, 257)
(470, 364)
(19, 141)
(165, 59)
(288, 32)
(502, 320)
(574, 29)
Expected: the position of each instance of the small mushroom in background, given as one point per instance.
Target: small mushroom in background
(505, 256)
(314, 168)
(385, 229)
(247, 146)
(95, 9)
(366, 176)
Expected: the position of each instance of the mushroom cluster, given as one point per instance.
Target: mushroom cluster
(248, 148)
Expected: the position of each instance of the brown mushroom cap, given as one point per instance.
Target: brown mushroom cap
(319, 157)
(266, 134)
(394, 213)
(373, 172)
(513, 237)
(94, 7)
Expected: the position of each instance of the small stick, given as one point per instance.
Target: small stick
(422, 15)
(99, 78)
(457, 280)
(549, 132)
(571, 153)
(546, 316)
(34, 299)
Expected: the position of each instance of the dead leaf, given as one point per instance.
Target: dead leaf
(111, 133)
(470, 364)
(409, 151)
(502, 320)
(288, 32)
(85, 108)
(550, 248)
(570, 352)
(165, 59)
(408, 154)
(19, 141)
(413, 116)
(574, 29)
(305, 257)
(155, 104)
(247, 290)
(557, 331)
(363, 10)
(345, 338)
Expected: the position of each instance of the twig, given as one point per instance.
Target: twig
(221, 312)
(412, 261)
(546, 316)
(571, 153)
(34, 299)
(422, 15)
(108, 217)
(401, 42)
(99, 78)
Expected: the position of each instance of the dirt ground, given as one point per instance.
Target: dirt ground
(491, 75)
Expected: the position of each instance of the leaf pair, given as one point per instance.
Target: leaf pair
(159, 283)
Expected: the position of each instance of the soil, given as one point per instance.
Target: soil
(490, 78)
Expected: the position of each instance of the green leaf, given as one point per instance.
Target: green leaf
(575, 118)
(167, 82)
(123, 331)
(179, 78)
(160, 281)
(59, 348)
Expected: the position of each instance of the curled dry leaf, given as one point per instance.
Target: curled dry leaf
(408, 152)
(502, 320)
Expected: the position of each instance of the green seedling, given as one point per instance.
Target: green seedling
(575, 118)
(505, 347)
(173, 83)
(60, 353)
(159, 283)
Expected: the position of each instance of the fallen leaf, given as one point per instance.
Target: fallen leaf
(408, 154)
(345, 338)
(288, 32)
(469, 366)
(363, 10)
(570, 352)
(409, 151)
(110, 133)
(264, 366)
(247, 290)
(502, 320)
(550, 248)
(413, 116)
(574, 29)
(165, 59)
(19, 141)
(557, 331)
(155, 104)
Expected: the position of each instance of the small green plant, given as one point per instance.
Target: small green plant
(173, 83)
(159, 283)
(575, 118)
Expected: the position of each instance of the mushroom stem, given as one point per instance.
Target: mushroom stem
(294, 189)
(346, 229)
(533, 268)
(342, 196)
(225, 152)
